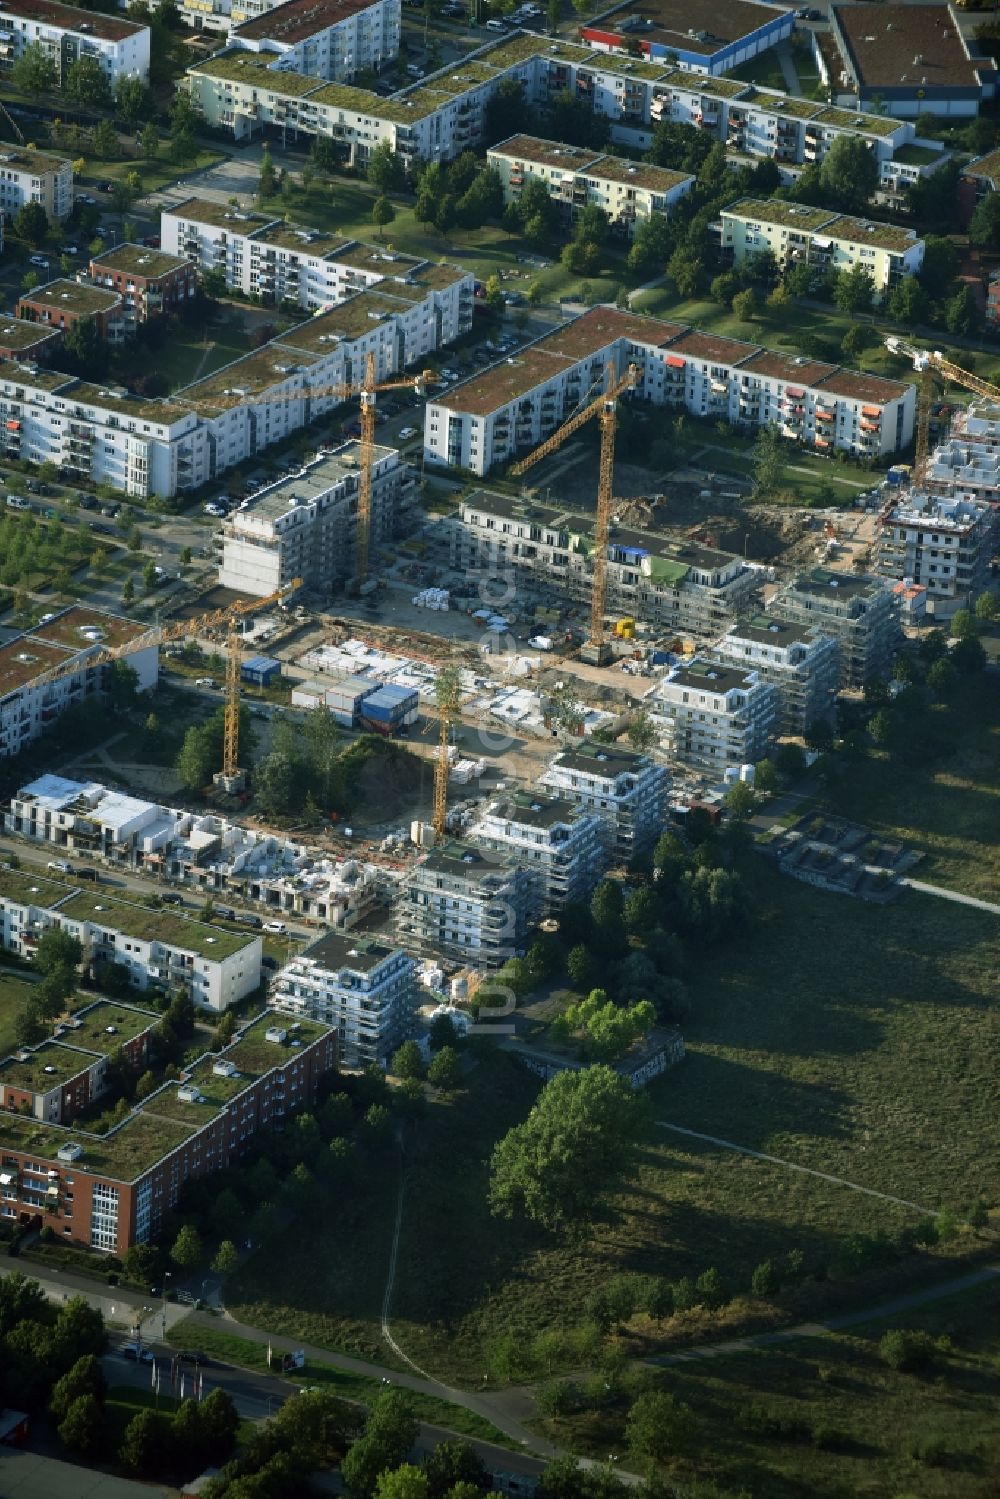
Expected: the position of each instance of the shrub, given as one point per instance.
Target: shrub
(907, 1352)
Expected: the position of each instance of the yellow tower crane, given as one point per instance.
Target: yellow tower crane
(447, 695)
(928, 363)
(605, 408)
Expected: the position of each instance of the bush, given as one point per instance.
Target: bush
(559, 1397)
(907, 1352)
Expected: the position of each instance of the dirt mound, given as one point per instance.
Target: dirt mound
(383, 779)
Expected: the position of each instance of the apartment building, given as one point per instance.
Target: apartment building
(944, 543)
(57, 664)
(558, 842)
(717, 716)
(861, 613)
(677, 583)
(909, 59)
(119, 47)
(626, 191)
(196, 849)
(967, 466)
(148, 282)
(799, 660)
(107, 1192)
(513, 406)
(465, 904)
(59, 1078)
(304, 526)
(796, 234)
(329, 39)
(362, 988)
(429, 304)
(21, 340)
(706, 36)
(159, 950)
(444, 115)
(30, 176)
(627, 791)
(61, 304)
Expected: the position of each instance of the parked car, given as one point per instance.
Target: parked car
(204, 682)
(171, 898)
(247, 918)
(85, 501)
(137, 1353)
(214, 508)
(62, 866)
(102, 530)
(277, 928)
(225, 913)
(87, 874)
(407, 432)
(87, 199)
(192, 1356)
(105, 187)
(70, 250)
(18, 502)
(38, 260)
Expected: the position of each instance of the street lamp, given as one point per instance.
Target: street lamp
(163, 1305)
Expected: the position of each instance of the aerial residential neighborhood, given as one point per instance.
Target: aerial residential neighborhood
(499, 748)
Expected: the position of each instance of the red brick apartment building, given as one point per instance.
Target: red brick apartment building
(60, 304)
(56, 1080)
(148, 281)
(110, 1191)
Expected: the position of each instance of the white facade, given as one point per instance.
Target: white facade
(331, 39)
(945, 544)
(797, 234)
(717, 716)
(305, 526)
(861, 613)
(511, 408)
(364, 989)
(28, 176)
(801, 662)
(120, 47)
(466, 904)
(627, 791)
(555, 840)
(50, 668)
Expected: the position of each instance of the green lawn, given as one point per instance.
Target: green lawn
(853, 1425)
(155, 174)
(13, 993)
(764, 70)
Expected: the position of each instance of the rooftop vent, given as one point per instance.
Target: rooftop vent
(71, 1152)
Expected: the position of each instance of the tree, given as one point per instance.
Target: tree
(142, 1443)
(658, 1426)
(968, 655)
(576, 1143)
(987, 608)
(57, 949)
(198, 758)
(132, 99)
(745, 304)
(848, 174)
(389, 1433)
(267, 181)
(85, 1377)
(942, 678)
(386, 170)
(383, 213)
(641, 732)
(686, 269)
(908, 303)
(83, 343)
(31, 224)
(226, 1258)
(35, 70)
(406, 1482)
(451, 1463)
(445, 1070)
(854, 290)
(608, 1029)
(187, 1248)
(906, 1351)
(984, 226)
(408, 1061)
(768, 463)
(185, 557)
(443, 1033)
(766, 777)
(961, 313)
(939, 267)
(651, 246)
(740, 800)
(86, 83)
(82, 1427)
(149, 141)
(122, 686)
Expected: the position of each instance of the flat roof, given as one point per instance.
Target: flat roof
(256, 71)
(26, 158)
(706, 675)
(21, 334)
(106, 1025)
(71, 296)
(855, 386)
(776, 211)
(467, 861)
(124, 1154)
(245, 378)
(504, 382)
(702, 26)
(638, 174)
(95, 23)
(535, 809)
(857, 231)
(297, 237)
(24, 659)
(985, 167)
(124, 401)
(770, 364)
(771, 629)
(713, 347)
(49, 1065)
(219, 215)
(701, 83)
(312, 480)
(884, 41)
(80, 628)
(138, 260)
(605, 760)
(546, 152)
(350, 319)
(865, 124)
(603, 168)
(601, 326)
(252, 1053)
(361, 953)
(27, 889)
(148, 925)
(774, 102)
(828, 583)
(297, 19)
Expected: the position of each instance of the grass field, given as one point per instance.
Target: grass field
(13, 992)
(875, 1432)
(854, 1040)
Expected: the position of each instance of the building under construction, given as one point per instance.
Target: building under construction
(861, 613)
(466, 904)
(674, 584)
(556, 840)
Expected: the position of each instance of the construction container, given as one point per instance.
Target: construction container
(309, 695)
(345, 698)
(260, 670)
(388, 709)
(422, 834)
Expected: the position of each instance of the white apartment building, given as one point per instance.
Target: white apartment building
(626, 790)
(680, 584)
(559, 843)
(946, 544)
(30, 176)
(967, 466)
(465, 904)
(363, 988)
(330, 39)
(120, 47)
(626, 191)
(50, 668)
(426, 303)
(160, 950)
(799, 660)
(444, 114)
(796, 234)
(717, 716)
(305, 526)
(861, 613)
(513, 406)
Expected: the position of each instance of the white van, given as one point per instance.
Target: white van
(278, 928)
(414, 71)
(495, 26)
(62, 866)
(18, 502)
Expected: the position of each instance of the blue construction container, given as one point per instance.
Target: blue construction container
(260, 670)
(392, 706)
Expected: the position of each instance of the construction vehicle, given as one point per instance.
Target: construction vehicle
(447, 696)
(230, 778)
(929, 363)
(605, 408)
